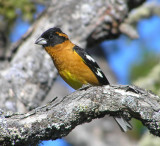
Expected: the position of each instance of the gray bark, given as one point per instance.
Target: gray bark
(57, 119)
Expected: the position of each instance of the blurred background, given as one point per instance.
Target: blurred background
(132, 61)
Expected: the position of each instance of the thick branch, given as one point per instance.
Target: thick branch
(57, 119)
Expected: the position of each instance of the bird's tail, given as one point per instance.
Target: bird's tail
(123, 124)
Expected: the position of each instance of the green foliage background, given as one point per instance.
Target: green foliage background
(8, 9)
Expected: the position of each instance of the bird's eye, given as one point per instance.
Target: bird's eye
(50, 36)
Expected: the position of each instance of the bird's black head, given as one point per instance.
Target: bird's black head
(52, 37)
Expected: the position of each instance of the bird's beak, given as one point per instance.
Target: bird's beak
(41, 41)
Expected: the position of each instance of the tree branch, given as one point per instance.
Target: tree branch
(146, 10)
(57, 119)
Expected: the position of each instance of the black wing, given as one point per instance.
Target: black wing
(91, 63)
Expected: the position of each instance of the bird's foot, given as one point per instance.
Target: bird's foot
(85, 86)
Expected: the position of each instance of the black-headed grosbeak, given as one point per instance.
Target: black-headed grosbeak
(74, 65)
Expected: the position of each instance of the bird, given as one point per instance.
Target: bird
(74, 64)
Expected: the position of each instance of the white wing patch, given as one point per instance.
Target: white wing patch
(90, 58)
(99, 73)
(98, 70)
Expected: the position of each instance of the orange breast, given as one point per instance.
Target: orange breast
(71, 66)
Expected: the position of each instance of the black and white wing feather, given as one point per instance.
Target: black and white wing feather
(91, 63)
